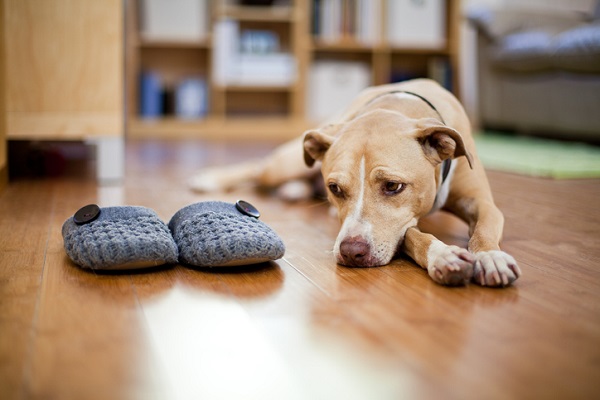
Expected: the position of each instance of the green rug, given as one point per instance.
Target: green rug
(538, 157)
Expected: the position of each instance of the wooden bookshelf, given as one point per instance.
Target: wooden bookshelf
(283, 114)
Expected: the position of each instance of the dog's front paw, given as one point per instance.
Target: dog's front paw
(495, 268)
(450, 265)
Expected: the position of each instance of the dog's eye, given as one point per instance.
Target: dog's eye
(391, 188)
(335, 190)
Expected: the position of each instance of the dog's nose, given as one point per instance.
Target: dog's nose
(355, 252)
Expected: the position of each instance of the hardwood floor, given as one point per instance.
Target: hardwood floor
(302, 327)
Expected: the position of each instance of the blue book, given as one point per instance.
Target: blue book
(151, 100)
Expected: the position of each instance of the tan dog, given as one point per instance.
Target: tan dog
(399, 152)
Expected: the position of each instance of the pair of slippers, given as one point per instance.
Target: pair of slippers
(206, 234)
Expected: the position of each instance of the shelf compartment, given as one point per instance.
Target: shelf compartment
(249, 103)
(174, 63)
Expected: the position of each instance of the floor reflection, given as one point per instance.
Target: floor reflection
(209, 346)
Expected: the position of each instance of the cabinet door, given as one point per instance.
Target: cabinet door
(64, 69)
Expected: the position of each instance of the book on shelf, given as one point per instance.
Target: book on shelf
(151, 99)
(249, 58)
(368, 21)
(440, 70)
(225, 51)
(259, 41)
(174, 20)
(188, 99)
(357, 20)
(410, 23)
(191, 98)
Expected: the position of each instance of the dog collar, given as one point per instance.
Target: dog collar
(430, 104)
(426, 101)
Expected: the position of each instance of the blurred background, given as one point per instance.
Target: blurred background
(106, 72)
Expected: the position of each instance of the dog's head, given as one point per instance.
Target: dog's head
(380, 173)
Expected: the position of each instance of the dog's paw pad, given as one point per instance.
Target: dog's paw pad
(205, 182)
(451, 265)
(495, 268)
(295, 190)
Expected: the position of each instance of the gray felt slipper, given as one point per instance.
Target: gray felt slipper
(218, 234)
(118, 238)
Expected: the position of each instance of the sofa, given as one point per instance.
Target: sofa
(539, 71)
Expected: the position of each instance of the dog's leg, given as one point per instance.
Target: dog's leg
(283, 166)
(222, 178)
(447, 265)
(493, 267)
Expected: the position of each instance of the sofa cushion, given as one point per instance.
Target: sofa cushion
(574, 50)
(528, 51)
(578, 50)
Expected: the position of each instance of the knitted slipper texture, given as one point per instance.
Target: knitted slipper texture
(121, 238)
(216, 234)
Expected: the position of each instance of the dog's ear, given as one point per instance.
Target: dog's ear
(316, 143)
(440, 142)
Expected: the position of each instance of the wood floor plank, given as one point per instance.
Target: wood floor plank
(23, 242)
(88, 329)
(19, 283)
(90, 334)
(26, 230)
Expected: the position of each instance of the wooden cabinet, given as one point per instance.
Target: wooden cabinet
(64, 74)
(3, 150)
(276, 111)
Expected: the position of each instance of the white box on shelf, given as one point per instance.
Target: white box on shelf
(185, 20)
(266, 69)
(332, 85)
(416, 23)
